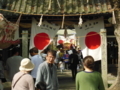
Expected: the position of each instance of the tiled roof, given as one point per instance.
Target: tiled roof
(55, 7)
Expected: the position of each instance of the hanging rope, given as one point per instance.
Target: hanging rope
(63, 21)
(58, 4)
(40, 22)
(113, 14)
(19, 19)
(49, 6)
(80, 21)
(78, 36)
(113, 17)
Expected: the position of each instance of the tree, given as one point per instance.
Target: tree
(116, 85)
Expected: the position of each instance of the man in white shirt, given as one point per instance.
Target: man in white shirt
(36, 60)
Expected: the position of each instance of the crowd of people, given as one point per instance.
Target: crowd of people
(69, 59)
(39, 72)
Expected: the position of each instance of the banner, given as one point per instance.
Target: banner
(89, 37)
(43, 35)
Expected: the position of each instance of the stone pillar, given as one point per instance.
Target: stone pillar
(104, 57)
(25, 44)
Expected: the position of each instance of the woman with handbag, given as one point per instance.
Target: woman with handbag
(89, 79)
(23, 80)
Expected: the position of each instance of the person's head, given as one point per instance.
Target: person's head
(44, 51)
(88, 62)
(15, 51)
(61, 50)
(26, 65)
(33, 51)
(79, 51)
(74, 51)
(41, 86)
(51, 56)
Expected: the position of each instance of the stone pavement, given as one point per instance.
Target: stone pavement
(67, 83)
(111, 78)
(65, 80)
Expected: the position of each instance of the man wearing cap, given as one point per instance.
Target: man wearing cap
(47, 72)
(23, 80)
(36, 60)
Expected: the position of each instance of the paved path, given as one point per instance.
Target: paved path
(65, 80)
(67, 83)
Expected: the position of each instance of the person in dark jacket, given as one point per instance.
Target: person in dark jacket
(74, 61)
